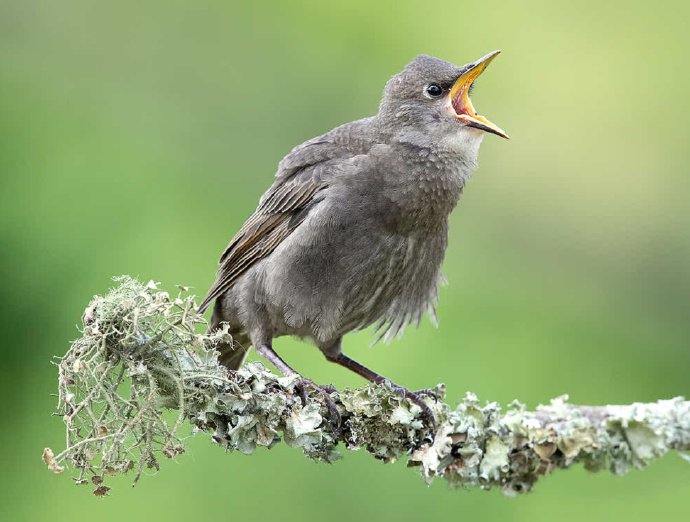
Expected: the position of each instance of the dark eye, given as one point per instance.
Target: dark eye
(434, 90)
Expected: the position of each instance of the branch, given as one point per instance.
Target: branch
(140, 354)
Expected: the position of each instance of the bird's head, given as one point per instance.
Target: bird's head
(432, 96)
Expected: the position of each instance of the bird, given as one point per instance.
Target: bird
(353, 230)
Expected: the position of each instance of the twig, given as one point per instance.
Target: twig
(143, 350)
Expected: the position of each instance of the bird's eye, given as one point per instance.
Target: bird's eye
(433, 90)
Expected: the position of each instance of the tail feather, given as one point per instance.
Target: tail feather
(232, 354)
(232, 357)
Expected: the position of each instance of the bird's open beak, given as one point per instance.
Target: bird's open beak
(460, 97)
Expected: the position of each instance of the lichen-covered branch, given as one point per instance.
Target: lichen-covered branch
(140, 354)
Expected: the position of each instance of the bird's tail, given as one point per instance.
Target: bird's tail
(232, 357)
(232, 354)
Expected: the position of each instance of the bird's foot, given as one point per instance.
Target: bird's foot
(325, 391)
(427, 414)
(429, 392)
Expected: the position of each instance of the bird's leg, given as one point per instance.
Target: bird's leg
(340, 358)
(302, 384)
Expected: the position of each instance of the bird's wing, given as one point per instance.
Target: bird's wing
(281, 210)
(302, 174)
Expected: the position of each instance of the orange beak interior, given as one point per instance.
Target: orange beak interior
(460, 97)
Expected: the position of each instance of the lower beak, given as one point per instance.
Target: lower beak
(460, 97)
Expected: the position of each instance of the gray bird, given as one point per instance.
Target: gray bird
(354, 229)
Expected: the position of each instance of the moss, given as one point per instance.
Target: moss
(140, 354)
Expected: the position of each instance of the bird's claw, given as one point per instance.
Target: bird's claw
(429, 392)
(335, 419)
(427, 414)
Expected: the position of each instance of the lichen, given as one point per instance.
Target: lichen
(140, 355)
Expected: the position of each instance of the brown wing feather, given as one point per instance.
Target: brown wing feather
(278, 214)
(301, 175)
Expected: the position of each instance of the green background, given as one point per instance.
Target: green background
(136, 137)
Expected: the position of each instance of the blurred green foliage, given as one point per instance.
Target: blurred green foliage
(136, 137)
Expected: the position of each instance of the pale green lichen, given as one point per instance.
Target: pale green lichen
(140, 353)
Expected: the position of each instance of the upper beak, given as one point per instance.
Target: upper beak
(460, 98)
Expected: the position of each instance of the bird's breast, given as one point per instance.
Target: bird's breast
(422, 194)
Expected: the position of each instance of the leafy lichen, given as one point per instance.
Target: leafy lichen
(140, 354)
